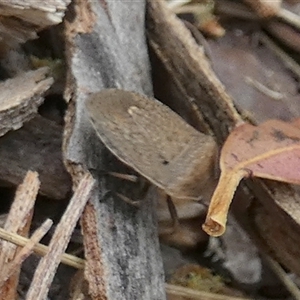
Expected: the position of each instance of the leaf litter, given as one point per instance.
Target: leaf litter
(270, 150)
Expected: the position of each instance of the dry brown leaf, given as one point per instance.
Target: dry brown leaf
(270, 150)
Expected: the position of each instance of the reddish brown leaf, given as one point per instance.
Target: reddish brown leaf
(270, 150)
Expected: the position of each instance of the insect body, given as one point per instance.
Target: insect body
(153, 140)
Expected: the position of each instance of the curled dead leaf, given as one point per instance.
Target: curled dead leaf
(270, 150)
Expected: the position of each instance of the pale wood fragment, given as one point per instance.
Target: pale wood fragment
(24, 252)
(41, 249)
(45, 271)
(18, 221)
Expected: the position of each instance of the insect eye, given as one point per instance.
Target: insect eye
(165, 162)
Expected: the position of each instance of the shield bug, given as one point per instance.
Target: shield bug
(153, 140)
(157, 143)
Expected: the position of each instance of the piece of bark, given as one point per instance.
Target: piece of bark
(20, 98)
(106, 47)
(36, 146)
(22, 19)
(189, 68)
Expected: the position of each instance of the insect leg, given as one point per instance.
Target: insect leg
(173, 213)
(132, 178)
(128, 200)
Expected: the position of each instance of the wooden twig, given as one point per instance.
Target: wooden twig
(18, 221)
(40, 249)
(284, 278)
(25, 251)
(264, 89)
(268, 9)
(265, 8)
(46, 268)
(173, 4)
(285, 34)
(289, 17)
(287, 60)
(177, 292)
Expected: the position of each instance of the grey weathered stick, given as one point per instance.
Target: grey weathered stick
(106, 48)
